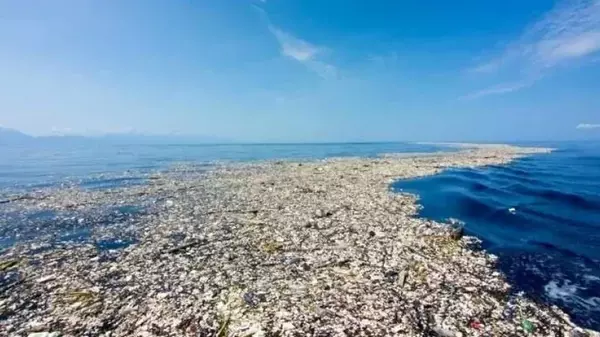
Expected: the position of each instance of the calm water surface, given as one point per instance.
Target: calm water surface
(38, 165)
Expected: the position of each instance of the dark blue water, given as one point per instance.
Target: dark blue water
(540, 215)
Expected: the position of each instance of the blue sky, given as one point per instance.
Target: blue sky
(303, 70)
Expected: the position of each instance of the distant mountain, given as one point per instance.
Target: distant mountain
(11, 136)
(15, 137)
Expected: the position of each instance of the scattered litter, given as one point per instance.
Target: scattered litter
(528, 326)
(242, 252)
(46, 278)
(441, 332)
(476, 325)
(44, 334)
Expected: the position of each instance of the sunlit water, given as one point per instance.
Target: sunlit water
(540, 215)
(39, 165)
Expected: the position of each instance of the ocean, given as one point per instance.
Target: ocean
(540, 215)
(106, 165)
(98, 166)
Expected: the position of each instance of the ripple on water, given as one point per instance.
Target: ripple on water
(538, 214)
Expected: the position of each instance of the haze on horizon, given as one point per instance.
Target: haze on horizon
(303, 70)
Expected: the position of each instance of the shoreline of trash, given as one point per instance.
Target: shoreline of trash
(279, 248)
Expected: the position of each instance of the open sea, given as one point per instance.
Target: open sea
(540, 215)
(105, 165)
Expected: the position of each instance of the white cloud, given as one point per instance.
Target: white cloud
(577, 47)
(488, 67)
(587, 126)
(569, 32)
(499, 89)
(293, 47)
(303, 52)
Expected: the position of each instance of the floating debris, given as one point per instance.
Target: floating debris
(528, 326)
(457, 232)
(8, 264)
(318, 248)
(476, 325)
(44, 334)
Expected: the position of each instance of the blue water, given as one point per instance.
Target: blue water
(99, 166)
(56, 228)
(40, 165)
(540, 215)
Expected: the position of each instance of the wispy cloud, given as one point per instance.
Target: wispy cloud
(293, 47)
(303, 52)
(297, 49)
(499, 89)
(587, 126)
(568, 33)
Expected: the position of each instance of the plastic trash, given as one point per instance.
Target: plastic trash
(528, 326)
(476, 325)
